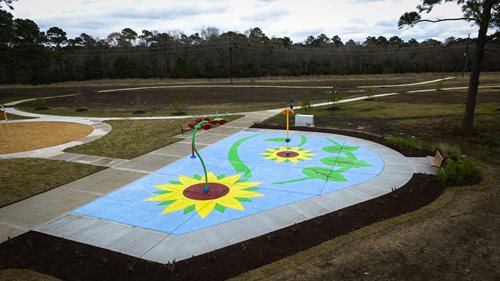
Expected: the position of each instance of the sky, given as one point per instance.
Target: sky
(349, 19)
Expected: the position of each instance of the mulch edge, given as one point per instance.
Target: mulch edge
(408, 152)
(76, 261)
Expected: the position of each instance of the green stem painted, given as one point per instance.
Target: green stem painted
(193, 145)
(334, 142)
(235, 159)
(303, 140)
(295, 180)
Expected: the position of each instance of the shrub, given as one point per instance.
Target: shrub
(178, 107)
(409, 142)
(138, 107)
(80, 102)
(401, 142)
(306, 105)
(370, 92)
(439, 85)
(41, 103)
(458, 171)
(334, 96)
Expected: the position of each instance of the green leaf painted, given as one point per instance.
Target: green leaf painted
(175, 182)
(243, 199)
(336, 176)
(197, 177)
(339, 148)
(345, 162)
(220, 208)
(235, 159)
(276, 139)
(250, 188)
(189, 209)
(317, 172)
(221, 176)
(166, 202)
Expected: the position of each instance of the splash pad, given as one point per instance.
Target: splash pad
(247, 173)
(254, 187)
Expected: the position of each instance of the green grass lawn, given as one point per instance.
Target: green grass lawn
(25, 177)
(132, 138)
(385, 109)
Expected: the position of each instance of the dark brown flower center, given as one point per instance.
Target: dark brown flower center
(291, 154)
(215, 190)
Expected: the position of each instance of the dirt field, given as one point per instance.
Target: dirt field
(457, 242)
(25, 136)
(154, 102)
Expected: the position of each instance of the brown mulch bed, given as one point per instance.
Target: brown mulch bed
(71, 260)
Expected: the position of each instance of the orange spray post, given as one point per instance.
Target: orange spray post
(287, 112)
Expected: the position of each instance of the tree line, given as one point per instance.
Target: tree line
(31, 56)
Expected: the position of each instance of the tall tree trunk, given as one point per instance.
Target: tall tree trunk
(468, 122)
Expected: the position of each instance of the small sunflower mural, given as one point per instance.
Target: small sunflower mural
(187, 194)
(294, 155)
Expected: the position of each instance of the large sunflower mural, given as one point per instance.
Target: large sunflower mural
(187, 194)
(294, 154)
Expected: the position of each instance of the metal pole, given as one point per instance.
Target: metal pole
(465, 55)
(231, 58)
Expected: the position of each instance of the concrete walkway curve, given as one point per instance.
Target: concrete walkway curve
(25, 215)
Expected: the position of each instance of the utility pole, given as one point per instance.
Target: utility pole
(465, 55)
(231, 58)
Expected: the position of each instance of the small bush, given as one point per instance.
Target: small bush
(409, 142)
(81, 102)
(306, 105)
(439, 85)
(178, 107)
(458, 171)
(138, 106)
(41, 103)
(334, 97)
(370, 92)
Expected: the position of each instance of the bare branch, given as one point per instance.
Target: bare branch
(453, 19)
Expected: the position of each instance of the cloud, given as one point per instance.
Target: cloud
(169, 13)
(349, 19)
(265, 16)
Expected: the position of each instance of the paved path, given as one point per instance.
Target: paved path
(164, 247)
(408, 84)
(25, 215)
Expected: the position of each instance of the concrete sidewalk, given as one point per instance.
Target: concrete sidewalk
(25, 215)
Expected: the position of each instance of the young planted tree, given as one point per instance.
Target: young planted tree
(485, 14)
(334, 97)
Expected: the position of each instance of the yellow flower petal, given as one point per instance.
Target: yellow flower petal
(211, 177)
(245, 194)
(229, 181)
(243, 185)
(177, 205)
(280, 159)
(187, 181)
(203, 208)
(230, 202)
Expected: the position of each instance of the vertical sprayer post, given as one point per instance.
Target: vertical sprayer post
(193, 146)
